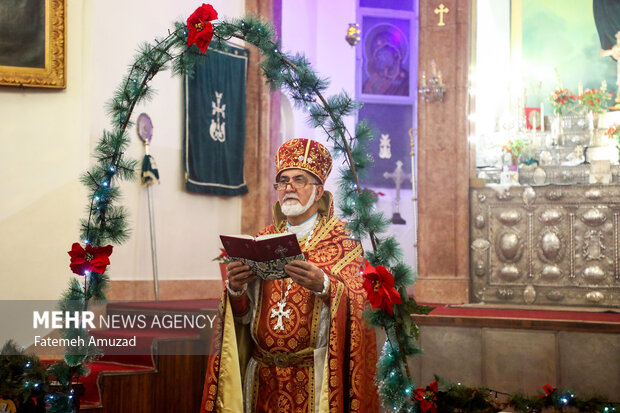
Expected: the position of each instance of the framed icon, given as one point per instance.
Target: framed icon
(33, 43)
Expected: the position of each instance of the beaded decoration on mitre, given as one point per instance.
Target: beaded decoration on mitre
(304, 154)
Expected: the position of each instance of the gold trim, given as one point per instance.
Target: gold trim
(54, 73)
(311, 389)
(336, 302)
(316, 317)
(307, 150)
(323, 231)
(347, 259)
(259, 303)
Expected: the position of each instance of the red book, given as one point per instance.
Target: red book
(266, 255)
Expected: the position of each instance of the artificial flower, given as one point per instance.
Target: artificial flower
(223, 258)
(548, 390)
(91, 259)
(427, 397)
(596, 100)
(561, 99)
(199, 27)
(614, 133)
(379, 284)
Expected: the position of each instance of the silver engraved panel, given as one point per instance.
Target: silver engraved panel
(551, 245)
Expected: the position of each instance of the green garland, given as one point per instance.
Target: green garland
(455, 397)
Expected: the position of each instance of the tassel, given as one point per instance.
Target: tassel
(150, 174)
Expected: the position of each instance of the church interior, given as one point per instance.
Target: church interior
(495, 147)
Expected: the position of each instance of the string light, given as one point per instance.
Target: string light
(105, 183)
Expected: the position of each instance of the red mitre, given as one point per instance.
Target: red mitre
(304, 154)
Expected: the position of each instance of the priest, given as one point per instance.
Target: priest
(297, 344)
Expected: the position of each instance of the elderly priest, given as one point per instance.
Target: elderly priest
(297, 344)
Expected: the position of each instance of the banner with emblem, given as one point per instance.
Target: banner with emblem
(215, 122)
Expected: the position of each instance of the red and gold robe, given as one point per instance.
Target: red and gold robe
(325, 358)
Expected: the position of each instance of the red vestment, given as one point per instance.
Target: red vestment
(326, 334)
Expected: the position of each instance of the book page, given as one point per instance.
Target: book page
(267, 236)
(240, 236)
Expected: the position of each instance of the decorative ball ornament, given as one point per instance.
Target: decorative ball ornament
(353, 34)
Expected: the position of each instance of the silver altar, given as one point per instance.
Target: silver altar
(550, 245)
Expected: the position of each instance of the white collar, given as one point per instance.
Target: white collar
(304, 228)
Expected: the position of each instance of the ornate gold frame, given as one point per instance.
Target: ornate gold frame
(54, 73)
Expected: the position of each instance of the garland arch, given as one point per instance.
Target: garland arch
(106, 218)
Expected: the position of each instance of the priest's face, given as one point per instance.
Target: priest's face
(300, 193)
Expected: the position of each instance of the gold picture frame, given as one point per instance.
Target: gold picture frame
(31, 58)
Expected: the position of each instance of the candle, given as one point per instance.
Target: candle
(534, 131)
(423, 78)
(439, 76)
(542, 117)
(580, 88)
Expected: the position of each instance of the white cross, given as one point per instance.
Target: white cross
(280, 312)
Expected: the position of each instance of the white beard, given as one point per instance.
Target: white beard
(294, 209)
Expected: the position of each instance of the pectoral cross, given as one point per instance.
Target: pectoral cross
(440, 11)
(280, 313)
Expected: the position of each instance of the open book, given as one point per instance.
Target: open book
(266, 255)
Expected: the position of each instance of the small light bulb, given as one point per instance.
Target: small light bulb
(86, 272)
(112, 169)
(97, 199)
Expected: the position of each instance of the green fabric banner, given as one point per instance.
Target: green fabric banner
(215, 122)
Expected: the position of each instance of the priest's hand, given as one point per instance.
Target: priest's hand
(239, 275)
(305, 274)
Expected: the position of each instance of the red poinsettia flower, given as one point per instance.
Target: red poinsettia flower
(427, 397)
(379, 284)
(199, 28)
(91, 259)
(548, 390)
